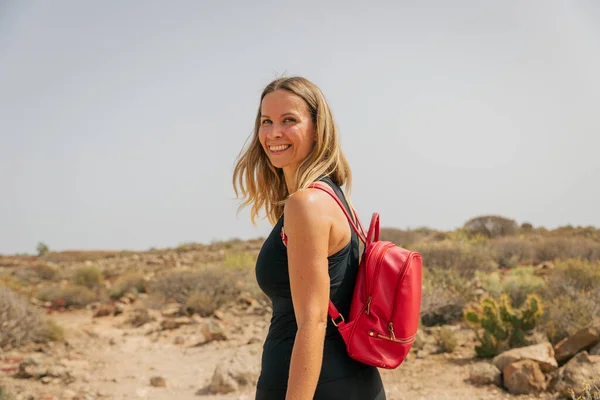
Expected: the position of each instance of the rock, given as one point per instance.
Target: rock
(178, 340)
(213, 330)
(125, 300)
(219, 315)
(174, 323)
(582, 340)
(524, 377)
(172, 310)
(231, 374)
(119, 308)
(38, 366)
(483, 373)
(46, 380)
(69, 394)
(103, 311)
(158, 381)
(581, 369)
(542, 353)
(595, 350)
(139, 317)
(444, 315)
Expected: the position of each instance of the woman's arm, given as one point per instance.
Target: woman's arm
(307, 228)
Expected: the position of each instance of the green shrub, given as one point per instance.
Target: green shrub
(520, 283)
(67, 296)
(90, 277)
(133, 282)
(499, 327)
(42, 248)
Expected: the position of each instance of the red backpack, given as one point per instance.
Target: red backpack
(386, 303)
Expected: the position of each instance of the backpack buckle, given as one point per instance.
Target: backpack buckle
(339, 316)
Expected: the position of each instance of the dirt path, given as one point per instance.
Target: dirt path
(111, 361)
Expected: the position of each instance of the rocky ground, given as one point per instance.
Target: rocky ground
(176, 357)
(129, 347)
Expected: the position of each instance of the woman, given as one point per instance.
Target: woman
(295, 143)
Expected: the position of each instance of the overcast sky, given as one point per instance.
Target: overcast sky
(120, 121)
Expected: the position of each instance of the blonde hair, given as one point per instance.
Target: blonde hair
(260, 184)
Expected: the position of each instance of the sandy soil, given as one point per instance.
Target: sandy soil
(110, 360)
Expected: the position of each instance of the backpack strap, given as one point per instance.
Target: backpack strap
(327, 189)
(334, 314)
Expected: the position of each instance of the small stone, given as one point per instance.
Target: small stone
(158, 381)
(69, 394)
(46, 380)
(179, 340)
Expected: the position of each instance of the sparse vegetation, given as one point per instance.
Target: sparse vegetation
(66, 296)
(590, 392)
(89, 277)
(572, 297)
(20, 322)
(133, 282)
(491, 226)
(498, 326)
(42, 249)
(446, 339)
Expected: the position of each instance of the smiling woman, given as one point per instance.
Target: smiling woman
(295, 143)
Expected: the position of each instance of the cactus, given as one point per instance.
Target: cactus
(502, 325)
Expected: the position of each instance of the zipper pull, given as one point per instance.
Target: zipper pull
(369, 304)
(391, 329)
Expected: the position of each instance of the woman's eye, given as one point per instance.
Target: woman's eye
(265, 121)
(289, 120)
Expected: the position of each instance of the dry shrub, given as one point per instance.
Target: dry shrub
(205, 290)
(406, 238)
(572, 297)
(20, 322)
(201, 303)
(508, 252)
(563, 248)
(444, 289)
(67, 296)
(90, 277)
(491, 226)
(446, 339)
(464, 257)
(33, 274)
(133, 282)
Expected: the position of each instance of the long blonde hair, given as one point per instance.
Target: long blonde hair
(260, 184)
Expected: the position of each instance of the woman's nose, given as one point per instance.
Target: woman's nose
(276, 131)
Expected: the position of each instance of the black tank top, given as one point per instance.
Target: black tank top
(273, 278)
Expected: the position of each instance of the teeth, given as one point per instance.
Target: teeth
(279, 148)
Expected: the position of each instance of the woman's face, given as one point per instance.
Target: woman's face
(286, 131)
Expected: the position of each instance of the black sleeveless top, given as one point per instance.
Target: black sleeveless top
(273, 278)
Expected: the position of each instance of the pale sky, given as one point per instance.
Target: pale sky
(120, 121)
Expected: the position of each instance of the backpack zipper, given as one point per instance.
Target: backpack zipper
(391, 324)
(382, 252)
